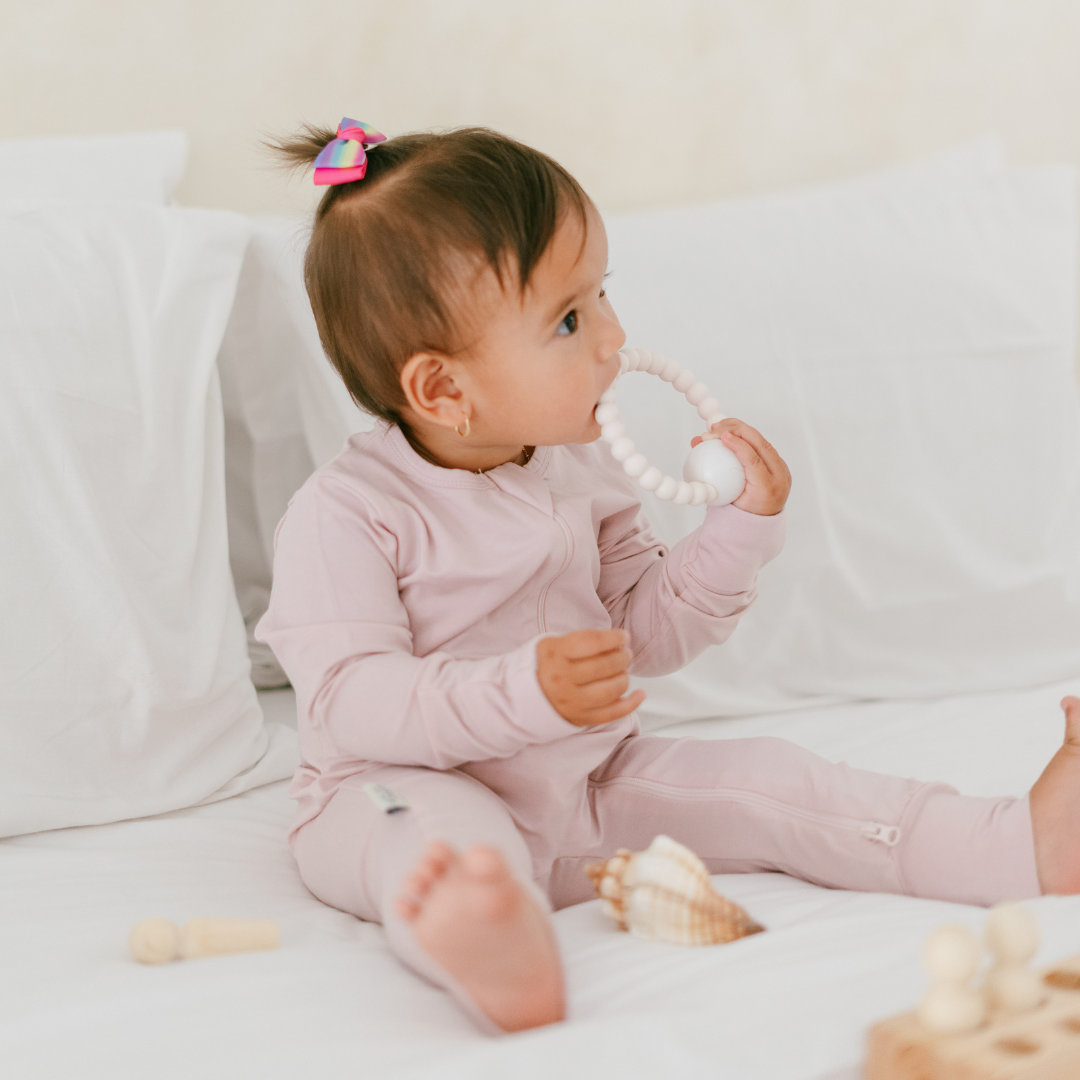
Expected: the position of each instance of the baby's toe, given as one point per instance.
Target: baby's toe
(433, 864)
(407, 907)
(486, 864)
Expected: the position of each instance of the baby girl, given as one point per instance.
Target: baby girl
(461, 595)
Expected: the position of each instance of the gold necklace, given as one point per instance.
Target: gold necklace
(528, 457)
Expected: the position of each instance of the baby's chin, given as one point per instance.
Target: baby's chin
(588, 432)
(591, 432)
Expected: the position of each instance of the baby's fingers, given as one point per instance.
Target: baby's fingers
(615, 711)
(766, 451)
(598, 694)
(749, 458)
(594, 668)
(586, 643)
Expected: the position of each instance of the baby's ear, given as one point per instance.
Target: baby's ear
(428, 385)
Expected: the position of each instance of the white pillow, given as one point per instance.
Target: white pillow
(286, 411)
(329, 415)
(266, 452)
(907, 343)
(124, 686)
(126, 168)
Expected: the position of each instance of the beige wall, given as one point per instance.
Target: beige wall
(646, 102)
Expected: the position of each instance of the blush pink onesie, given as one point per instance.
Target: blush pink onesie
(407, 603)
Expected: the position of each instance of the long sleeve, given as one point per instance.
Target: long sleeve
(338, 626)
(676, 604)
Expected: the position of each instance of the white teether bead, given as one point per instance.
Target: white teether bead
(683, 381)
(612, 431)
(657, 363)
(698, 392)
(707, 407)
(711, 493)
(622, 448)
(671, 371)
(668, 486)
(712, 463)
(609, 393)
(650, 479)
(635, 465)
(683, 494)
(700, 493)
(606, 412)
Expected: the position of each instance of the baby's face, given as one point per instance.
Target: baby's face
(540, 361)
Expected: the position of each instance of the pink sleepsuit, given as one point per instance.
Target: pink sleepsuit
(406, 607)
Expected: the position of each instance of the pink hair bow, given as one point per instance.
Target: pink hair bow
(343, 160)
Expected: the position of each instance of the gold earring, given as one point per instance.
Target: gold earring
(464, 434)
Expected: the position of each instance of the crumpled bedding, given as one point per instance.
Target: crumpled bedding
(791, 1004)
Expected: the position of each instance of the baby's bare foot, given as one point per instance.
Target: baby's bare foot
(1055, 812)
(474, 920)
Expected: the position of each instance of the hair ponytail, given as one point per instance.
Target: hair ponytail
(300, 150)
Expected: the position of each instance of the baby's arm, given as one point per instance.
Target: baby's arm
(674, 607)
(337, 624)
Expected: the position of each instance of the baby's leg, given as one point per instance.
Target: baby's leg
(450, 879)
(1055, 811)
(766, 804)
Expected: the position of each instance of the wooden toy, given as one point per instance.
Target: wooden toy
(712, 473)
(157, 941)
(1025, 1027)
(665, 893)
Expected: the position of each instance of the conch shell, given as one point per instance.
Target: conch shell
(664, 893)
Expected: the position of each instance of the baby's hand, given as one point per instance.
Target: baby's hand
(768, 479)
(584, 676)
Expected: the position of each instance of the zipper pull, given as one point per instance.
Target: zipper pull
(889, 835)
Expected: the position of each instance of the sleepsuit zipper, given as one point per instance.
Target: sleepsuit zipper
(541, 600)
(889, 835)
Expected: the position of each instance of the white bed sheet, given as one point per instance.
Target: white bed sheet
(790, 1004)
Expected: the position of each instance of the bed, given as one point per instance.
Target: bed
(907, 341)
(793, 1003)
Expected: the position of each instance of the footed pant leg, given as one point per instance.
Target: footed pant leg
(767, 804)
(354, 856)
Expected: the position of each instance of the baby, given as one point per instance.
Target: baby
(461, 595)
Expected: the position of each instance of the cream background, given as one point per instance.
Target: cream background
(647, 103)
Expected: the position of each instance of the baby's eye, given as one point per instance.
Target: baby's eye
(569, 324)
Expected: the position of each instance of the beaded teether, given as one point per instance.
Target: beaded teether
(712, 473)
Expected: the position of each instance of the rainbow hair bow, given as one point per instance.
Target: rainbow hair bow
(342, 159)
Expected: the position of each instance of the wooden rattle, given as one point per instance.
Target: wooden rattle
(157, 941)
(712, 473)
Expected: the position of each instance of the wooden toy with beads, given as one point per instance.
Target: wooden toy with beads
(1025, 1024)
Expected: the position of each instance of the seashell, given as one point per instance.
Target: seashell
(665, 893)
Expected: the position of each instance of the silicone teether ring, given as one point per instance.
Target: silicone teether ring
(650, 478)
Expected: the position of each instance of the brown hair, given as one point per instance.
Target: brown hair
(384, 265)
